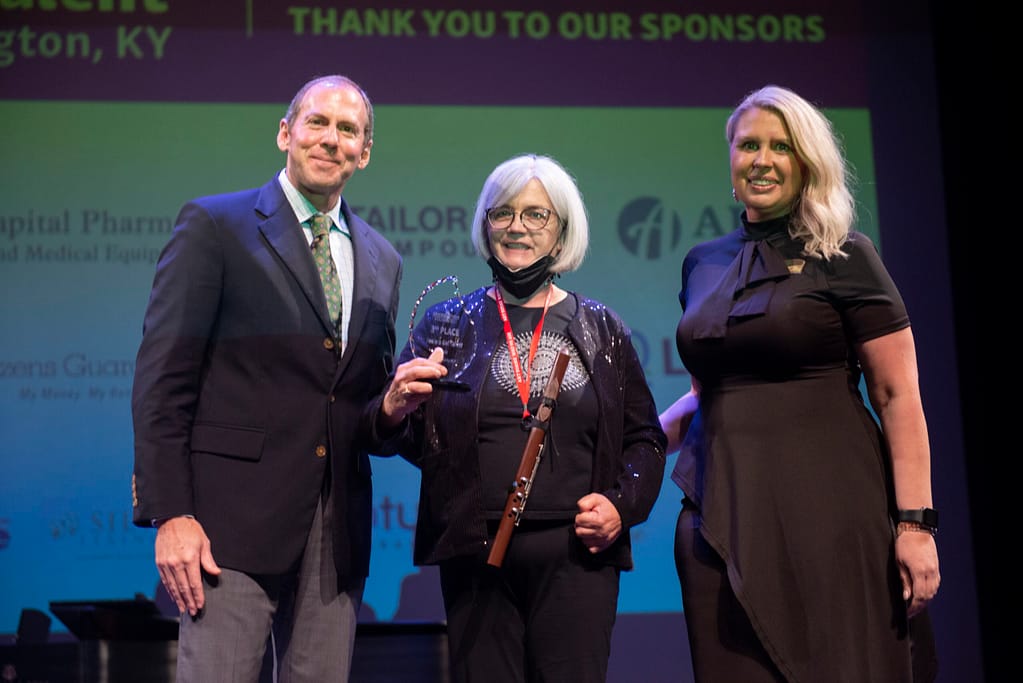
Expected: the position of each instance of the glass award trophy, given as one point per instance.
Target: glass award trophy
(447, 325)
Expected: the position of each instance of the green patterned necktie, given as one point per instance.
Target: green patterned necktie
(325, 264)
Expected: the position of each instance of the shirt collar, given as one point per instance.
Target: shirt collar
(304, 209)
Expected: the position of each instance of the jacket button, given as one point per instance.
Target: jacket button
(321, 451)
(328, 343)
(332, 398)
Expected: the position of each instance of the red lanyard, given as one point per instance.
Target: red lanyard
(509, 337)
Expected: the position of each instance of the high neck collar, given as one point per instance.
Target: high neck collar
(762, 229)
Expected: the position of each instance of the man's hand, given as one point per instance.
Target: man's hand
(182, 549)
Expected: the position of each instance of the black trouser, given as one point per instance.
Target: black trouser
(545, 616)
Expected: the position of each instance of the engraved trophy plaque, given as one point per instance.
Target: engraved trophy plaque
(448, 325)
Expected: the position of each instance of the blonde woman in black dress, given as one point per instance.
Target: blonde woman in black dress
(805, 539)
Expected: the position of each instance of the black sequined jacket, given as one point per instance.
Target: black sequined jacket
(628, 462)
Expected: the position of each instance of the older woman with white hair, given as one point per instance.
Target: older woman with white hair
(546, 612)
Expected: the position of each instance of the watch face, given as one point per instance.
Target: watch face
(928, 517)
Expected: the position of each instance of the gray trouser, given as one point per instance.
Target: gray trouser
(311, 622)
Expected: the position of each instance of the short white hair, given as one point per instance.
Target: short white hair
(509, 178)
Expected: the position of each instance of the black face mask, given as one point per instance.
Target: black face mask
(525, 281)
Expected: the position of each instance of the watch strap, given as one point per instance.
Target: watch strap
(925, 517)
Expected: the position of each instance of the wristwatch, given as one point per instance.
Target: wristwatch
(925, 517)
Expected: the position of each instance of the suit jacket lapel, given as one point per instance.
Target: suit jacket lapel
(365, 258)
(285, 237)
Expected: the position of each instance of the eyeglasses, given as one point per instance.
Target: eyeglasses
(533, 218)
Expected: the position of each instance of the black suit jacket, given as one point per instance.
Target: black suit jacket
(241, 401)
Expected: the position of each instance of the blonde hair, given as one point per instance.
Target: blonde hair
(824, 211)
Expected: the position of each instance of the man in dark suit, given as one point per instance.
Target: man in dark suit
(251, 449)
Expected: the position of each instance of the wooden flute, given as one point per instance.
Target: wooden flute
(531, 456)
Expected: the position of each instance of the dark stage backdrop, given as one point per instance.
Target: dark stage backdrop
(115, 112)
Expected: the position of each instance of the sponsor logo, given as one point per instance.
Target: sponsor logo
(98, 529)
(647, 229)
